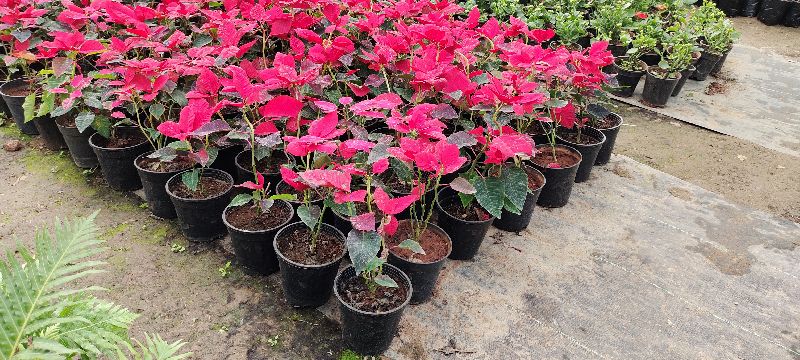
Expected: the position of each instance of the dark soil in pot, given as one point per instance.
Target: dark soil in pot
(658, 87)
(685, 74)
(116, 156)
(422, 269)
(154, 175)
(199, 212)
(509, 221)
(77, 142)
(226, 160)
(252, 231)
(627, 80)
(609, 125)
(467, 227)
(48, 132)
(307, 276)
(269, 166)
(705, 65)
(316, 199)
(370, 319)
(618, 50)
(14, 93)
(589, 145)
(559, 171)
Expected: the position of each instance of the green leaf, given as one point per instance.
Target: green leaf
(378, 152)
(240, 200)
(385, 281)
(191, 179)
(400, 169)
(84, 120)
(157, 110)
(490, 195)
(412, 245)
(48, 102)
(29, 107)
(374, 264)
(362, 247)
(286, 197)
(515, 187)
(179, 145)
(201, 40)
(309, 215)
(212, 154)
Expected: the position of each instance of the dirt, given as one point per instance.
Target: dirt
(572, 136)
(121, 139)
(473, 212)
(535, 178)
(20, 89)
(180, 163)
(207, 188)
(779, 39)
(608, 122)
(295, 244)
(716, 87)
(66, 121)
(12, 145)
(268, 165)
(435, 245)
(564, 158)
(739, 170)
(248, 217)
(355, 292)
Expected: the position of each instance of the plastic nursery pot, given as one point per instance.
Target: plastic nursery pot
(557, 190)
(367, 332)
(509, 221)
(627, 80)
(588, 150)
(78, 145)
(705, 65)
(244, 171)
(307, 285)
(657, 91)
(751, 7)
(14, 100)
(226, 160)
(718, 66)
(685, 74)
(612, 124)
(253, 248)
(618, 50)
(3, 107)
(423, 274)
(117, 163)
(467, 236)
(48, 132)
(731, 8)
(651, 59)
(772, 12)
(200, 219)
(154, 186)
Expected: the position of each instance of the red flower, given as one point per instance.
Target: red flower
(641, 15)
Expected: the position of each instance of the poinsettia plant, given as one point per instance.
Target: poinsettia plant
(259, 195)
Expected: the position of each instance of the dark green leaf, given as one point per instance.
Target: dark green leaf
(401, 169)
(490, 195)
(240, 200)
(363, 248)
(157, 110)
(191, 179)
(377, 153)
(29, 107)
(309, 215)
(515, 187)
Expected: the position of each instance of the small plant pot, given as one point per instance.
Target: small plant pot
(78, 145)
(731, 8)
(509, 221)
(627, 80)
(657, 91)
(685, 74)
(618, 50)
(307, 285)
(48, 132)
(253, 248)
(226, 160)
(556, 192)
(467, 236)
(14, 103)
(155, 190)
(423, 274)
(589, 151)
(245, 173)
(772, 12)
(3, 107)
(718, 66)
(610, 131)
(117, 163)
(651, 59)
(705, 65)
(200, 219)
(370, 333)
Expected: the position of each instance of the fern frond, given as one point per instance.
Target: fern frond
(102, 327)
(155, 348)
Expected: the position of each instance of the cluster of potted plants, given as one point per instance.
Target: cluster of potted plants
(394, 132)
(665, 42)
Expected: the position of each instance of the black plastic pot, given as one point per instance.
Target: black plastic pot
(718, 67)
(509, 221)
(557, 190)
(423, 275)
(14, 104)
(226, 160)
(466, 236)
(627, 81)
(705, 65)
(651, 59)
(731, 8)
(200, 219)
(307, 285)
(657, 91)
(117, 164)
(772, 12)
(751, 7)
(246, 174)
(3, 107)
(604, 155)
(588, 152)
(78, 145)
(618, 50)
(792, 18)
(370, 333)
(155, 191)
(253, 248)
(48, 132)
(685, 74)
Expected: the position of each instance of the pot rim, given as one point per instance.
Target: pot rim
(363, 312)
(540, 174)
(241, 153)
(643, 66)
(570, 148)
(229, 179)
(442, 211)
(136, 164)
(92, 144)
(332, 228)
(12, 81)
(660, 78)
(618, 116)
(437, 229)
(602, 141)
(291, 215)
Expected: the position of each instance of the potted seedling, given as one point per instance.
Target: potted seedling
(571, 29)
(661, 80)
(613, 21)
(721, 41)
(630, 68)
(558, 163)
(608, 123)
